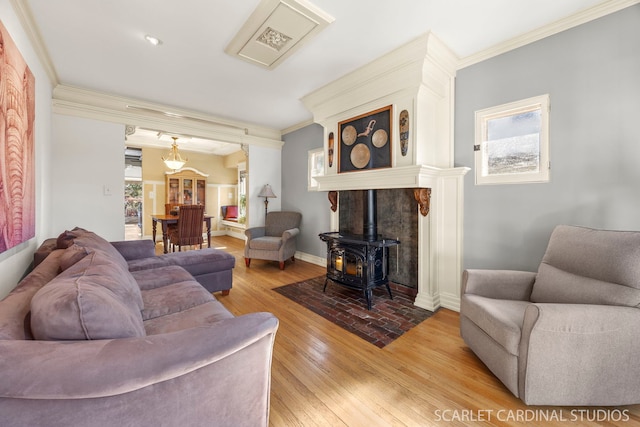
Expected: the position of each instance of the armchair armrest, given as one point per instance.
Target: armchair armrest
(254, 232)
(290, 233)
(135, 249)
(564, 346)
(498, 284)
(50, 369)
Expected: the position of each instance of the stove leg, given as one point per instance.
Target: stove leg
(325, 284)
(389, 290)
(368, 294)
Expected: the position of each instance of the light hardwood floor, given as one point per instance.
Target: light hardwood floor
(325, 376)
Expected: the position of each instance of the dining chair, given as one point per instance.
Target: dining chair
(189, 229)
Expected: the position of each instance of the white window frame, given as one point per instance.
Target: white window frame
(513, 108)
(315, 167)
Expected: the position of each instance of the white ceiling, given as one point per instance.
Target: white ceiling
(99, 45)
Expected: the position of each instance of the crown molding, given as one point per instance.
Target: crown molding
(95, 105)
(23, 11)
(587, 15)
(422, 62)
(297, 126)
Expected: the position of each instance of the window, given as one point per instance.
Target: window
(512, 142)
(315, 168)
(242, 193)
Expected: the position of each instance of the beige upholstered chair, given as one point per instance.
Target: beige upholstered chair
(188, 232)
(568, 334)
(276, 241)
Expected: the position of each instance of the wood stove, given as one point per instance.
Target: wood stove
(360, 261)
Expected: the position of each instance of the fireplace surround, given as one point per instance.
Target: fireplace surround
(417, 81)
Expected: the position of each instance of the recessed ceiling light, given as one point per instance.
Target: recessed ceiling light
(153, 40)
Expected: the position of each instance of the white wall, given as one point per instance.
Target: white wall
(89, 163)
(264, 167)
(16, 261)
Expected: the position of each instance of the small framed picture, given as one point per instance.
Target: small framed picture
(365, 141)
(316, 167)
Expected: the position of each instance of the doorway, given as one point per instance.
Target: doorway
(133, 193)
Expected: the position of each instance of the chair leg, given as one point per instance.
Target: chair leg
(226, 292)
(281, 265)
(247, 261)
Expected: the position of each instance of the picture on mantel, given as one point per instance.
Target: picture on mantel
(365, 141)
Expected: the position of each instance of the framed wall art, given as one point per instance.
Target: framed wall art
(17, 147)
(365, 141)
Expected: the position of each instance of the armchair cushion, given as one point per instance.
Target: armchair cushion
(558, 286)
(267, 243)
(279, 222)
(587, 266)
(501, 319)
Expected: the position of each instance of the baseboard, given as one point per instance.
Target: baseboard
(428, 302)
(313, 259)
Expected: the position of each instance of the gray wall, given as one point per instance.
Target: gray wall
(592, 73)
(314, 206)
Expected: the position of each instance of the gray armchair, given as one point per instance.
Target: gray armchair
(568, 334)
(276, 241)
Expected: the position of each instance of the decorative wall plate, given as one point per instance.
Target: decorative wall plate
(360, 156)
(379, 138)
(349, 135)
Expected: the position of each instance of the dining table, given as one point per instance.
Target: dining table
(166, 220)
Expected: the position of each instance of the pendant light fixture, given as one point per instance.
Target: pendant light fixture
(174, 160)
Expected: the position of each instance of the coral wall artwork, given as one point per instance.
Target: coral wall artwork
(17, 163)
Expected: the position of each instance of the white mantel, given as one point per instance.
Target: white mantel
(417, 77)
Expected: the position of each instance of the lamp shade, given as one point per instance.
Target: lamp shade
(267, 192)
(174, 160)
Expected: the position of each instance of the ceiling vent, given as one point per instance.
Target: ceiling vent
(275, 30)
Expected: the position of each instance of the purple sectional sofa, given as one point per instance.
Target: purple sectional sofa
(94, 338)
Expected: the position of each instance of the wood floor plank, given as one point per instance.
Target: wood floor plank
(323, 375)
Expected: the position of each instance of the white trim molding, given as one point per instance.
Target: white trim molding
(587, 15)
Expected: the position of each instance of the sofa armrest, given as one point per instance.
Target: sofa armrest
(50, 369)
(135, 249)
(254, 232)
(588, 349)
(290, 233)
(498, 284)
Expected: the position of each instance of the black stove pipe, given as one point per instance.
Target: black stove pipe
(370, 218)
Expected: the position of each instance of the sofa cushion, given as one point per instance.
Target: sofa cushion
(266, 243)
(198, 262)
(71, 256)
(98, 263)
(500, 319)
(173, 298)
(161, 276)
(90, 241)
(200, 315)
(83, 308)
(66, 238)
